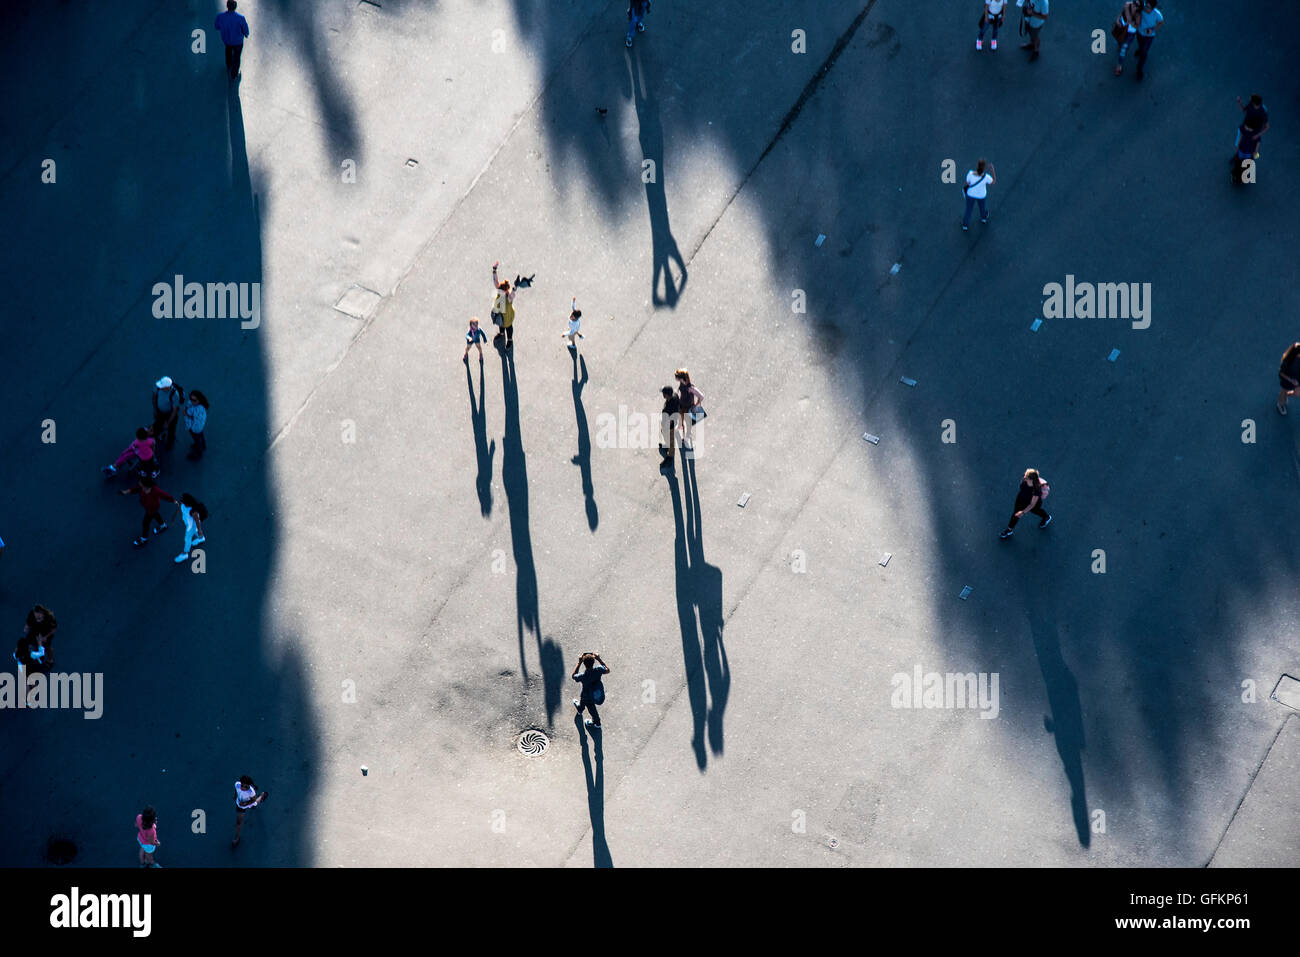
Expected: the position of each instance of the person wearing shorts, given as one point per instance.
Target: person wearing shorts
(146, 827)
(246, 798)
(1035, 14)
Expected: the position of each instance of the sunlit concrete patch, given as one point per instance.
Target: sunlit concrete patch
(358, 302)
(1265, 831)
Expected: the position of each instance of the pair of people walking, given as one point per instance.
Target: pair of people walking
(1138, 22)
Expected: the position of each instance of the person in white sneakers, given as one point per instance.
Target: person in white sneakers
(976, 190)
(193, 513)
(575, 323)
(246, 798)
(993, 16)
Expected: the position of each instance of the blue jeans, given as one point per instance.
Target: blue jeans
(634, 18)
(970, 204)
(1123, 47)
(1144, 47)
(995, 22)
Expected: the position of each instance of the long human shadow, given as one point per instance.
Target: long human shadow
(1065, 723)
(483, 449)
(583, 458)
(595, 795)
(514, 479)
(187, 155)
(699, 616)
(644, 78)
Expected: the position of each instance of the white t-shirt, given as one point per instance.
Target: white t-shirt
(995, 6)
(244, 796)
(573, 326)
(977, 186)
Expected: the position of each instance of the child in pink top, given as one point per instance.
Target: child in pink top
(141, 450)
(146, 825)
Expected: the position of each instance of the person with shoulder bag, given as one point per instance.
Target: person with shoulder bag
(1125, 29)
(689, 399)
(976, 189)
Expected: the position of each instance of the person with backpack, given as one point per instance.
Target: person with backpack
(151, 498)
(168, 398)
(993, 15)
(196, 419)
(1029, 498)
(593, 668)
(193, 513)
(978, 181)
(503, 309)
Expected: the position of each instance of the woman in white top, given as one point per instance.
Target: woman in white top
(194, 513)
(978, 181)
(993, 14)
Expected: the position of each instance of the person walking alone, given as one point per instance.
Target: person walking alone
(146, 835)
(193, 513)
(978, 181)
(1288, 375)
(1033, 491)
(246, 798)
(233, 28)
(636, 13)
(993, 15)
(588, 672)
(575, 323)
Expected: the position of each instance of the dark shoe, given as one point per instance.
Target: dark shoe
(984, 220)
(1026, 46)
(965, 228)
(1045, 522)
(1140, 74)
(139, 542)
(1033, 56)
(1005, 534)
(629, 42)
(158, 530)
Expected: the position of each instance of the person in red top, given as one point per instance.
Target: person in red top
(151, 497)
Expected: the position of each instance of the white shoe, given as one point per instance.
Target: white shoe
(181, 557)
(993, 44)
(979, 44)
(200, 540)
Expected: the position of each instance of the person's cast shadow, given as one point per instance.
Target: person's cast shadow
(699, 593)
(484, 449)
(595, 794)
(583, 458)
(651, 134)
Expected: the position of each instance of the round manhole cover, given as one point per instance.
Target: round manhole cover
(533, 743)
(60, 850)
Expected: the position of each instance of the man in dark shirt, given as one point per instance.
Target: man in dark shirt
(668, 426)
(233, 28)
(151, 497)
(593, 692)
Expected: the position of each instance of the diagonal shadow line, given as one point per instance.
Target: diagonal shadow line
(483, 450)
(583, 458)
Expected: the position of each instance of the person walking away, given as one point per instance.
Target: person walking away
(1288, 375)
(151, 498)
(146, 835)
(688, 402)
(636, 13)
(246, 798)
(474, 336)
(193, 513)
(1149, 21)
(1030, 497)
(588, 672)
(669, 420)
(575, 323)
(993, 15)
(978, 181)
(168, 398)
(1125, 30)
(233, 28)
(1034, 13)
(503, 308)
(196, 420)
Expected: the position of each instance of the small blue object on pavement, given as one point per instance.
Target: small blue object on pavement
(1114, 354)
(1037, 324)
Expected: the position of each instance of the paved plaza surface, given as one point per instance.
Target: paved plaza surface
(407, 554)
